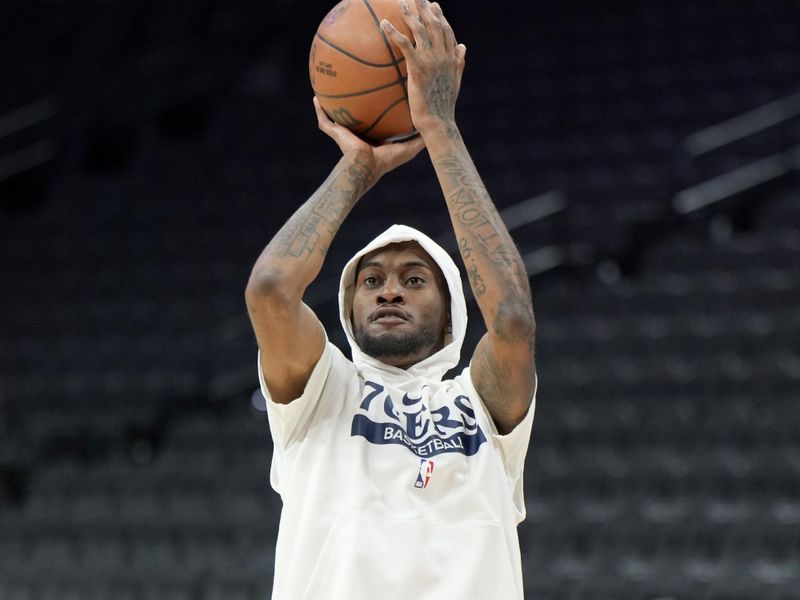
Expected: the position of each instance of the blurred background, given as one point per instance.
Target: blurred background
(645, 156)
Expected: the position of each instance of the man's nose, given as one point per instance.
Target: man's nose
(391, 292)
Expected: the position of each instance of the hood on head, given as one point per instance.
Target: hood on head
(436, 365)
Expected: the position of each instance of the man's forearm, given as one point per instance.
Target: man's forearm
(296, 253)
(495, 269)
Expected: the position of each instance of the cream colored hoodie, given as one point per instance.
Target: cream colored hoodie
(395, 483)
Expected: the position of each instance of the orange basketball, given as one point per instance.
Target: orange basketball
(358, 74)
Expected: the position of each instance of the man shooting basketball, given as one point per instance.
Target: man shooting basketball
(397, 483)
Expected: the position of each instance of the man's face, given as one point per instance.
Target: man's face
(400, 305)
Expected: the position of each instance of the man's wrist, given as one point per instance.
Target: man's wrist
(361, 167)
(437, 128)
(359, 155)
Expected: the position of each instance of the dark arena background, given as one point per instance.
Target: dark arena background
(645, 156)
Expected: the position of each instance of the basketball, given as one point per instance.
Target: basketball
(358, 74)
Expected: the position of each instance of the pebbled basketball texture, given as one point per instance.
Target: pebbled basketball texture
(358, 74)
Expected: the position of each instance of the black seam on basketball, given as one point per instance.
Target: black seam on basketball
(356, 58)
(361, 93)
(380, 116)
(388, 45)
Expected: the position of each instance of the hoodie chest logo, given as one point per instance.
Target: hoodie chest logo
(410, 422)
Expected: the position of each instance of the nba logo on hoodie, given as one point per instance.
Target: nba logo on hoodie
(424, 474)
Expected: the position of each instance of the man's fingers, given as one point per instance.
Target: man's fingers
(402, 152)
(413, 147)
(323, 120)
(447, 31)
(403, 43)
(425, 11)
(461, 53)
(321, 116)
(433, 26)
(327, 125)
(415, 23)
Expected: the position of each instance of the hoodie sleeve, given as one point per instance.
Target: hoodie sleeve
(512, 447)
(514, 444)
(288, 422)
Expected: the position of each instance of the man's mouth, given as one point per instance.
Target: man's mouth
(389, 315)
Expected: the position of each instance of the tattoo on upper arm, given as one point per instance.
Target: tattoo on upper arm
(497, 383)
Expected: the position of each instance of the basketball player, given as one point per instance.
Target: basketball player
(397, 483)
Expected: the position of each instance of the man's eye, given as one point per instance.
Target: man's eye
(370, 280)
(416, 280)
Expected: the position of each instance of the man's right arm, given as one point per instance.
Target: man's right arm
(290, 337)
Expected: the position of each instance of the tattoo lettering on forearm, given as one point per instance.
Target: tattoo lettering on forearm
(476, 281)
(324, 213)
(464, 248)
(301, 236)
(307, 237)
(473, 208)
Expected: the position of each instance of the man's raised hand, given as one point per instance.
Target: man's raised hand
(380, 159)
(435, 63)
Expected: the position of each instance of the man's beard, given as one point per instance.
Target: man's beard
(393, 344)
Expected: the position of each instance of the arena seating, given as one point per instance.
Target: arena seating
(665, 458)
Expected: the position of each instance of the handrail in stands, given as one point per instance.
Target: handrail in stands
(736, 181)
(743, 125)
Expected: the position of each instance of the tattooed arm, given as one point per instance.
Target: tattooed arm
(502, 367)
(289, 335)
(503, 363)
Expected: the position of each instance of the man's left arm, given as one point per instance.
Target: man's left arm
(503, 368)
